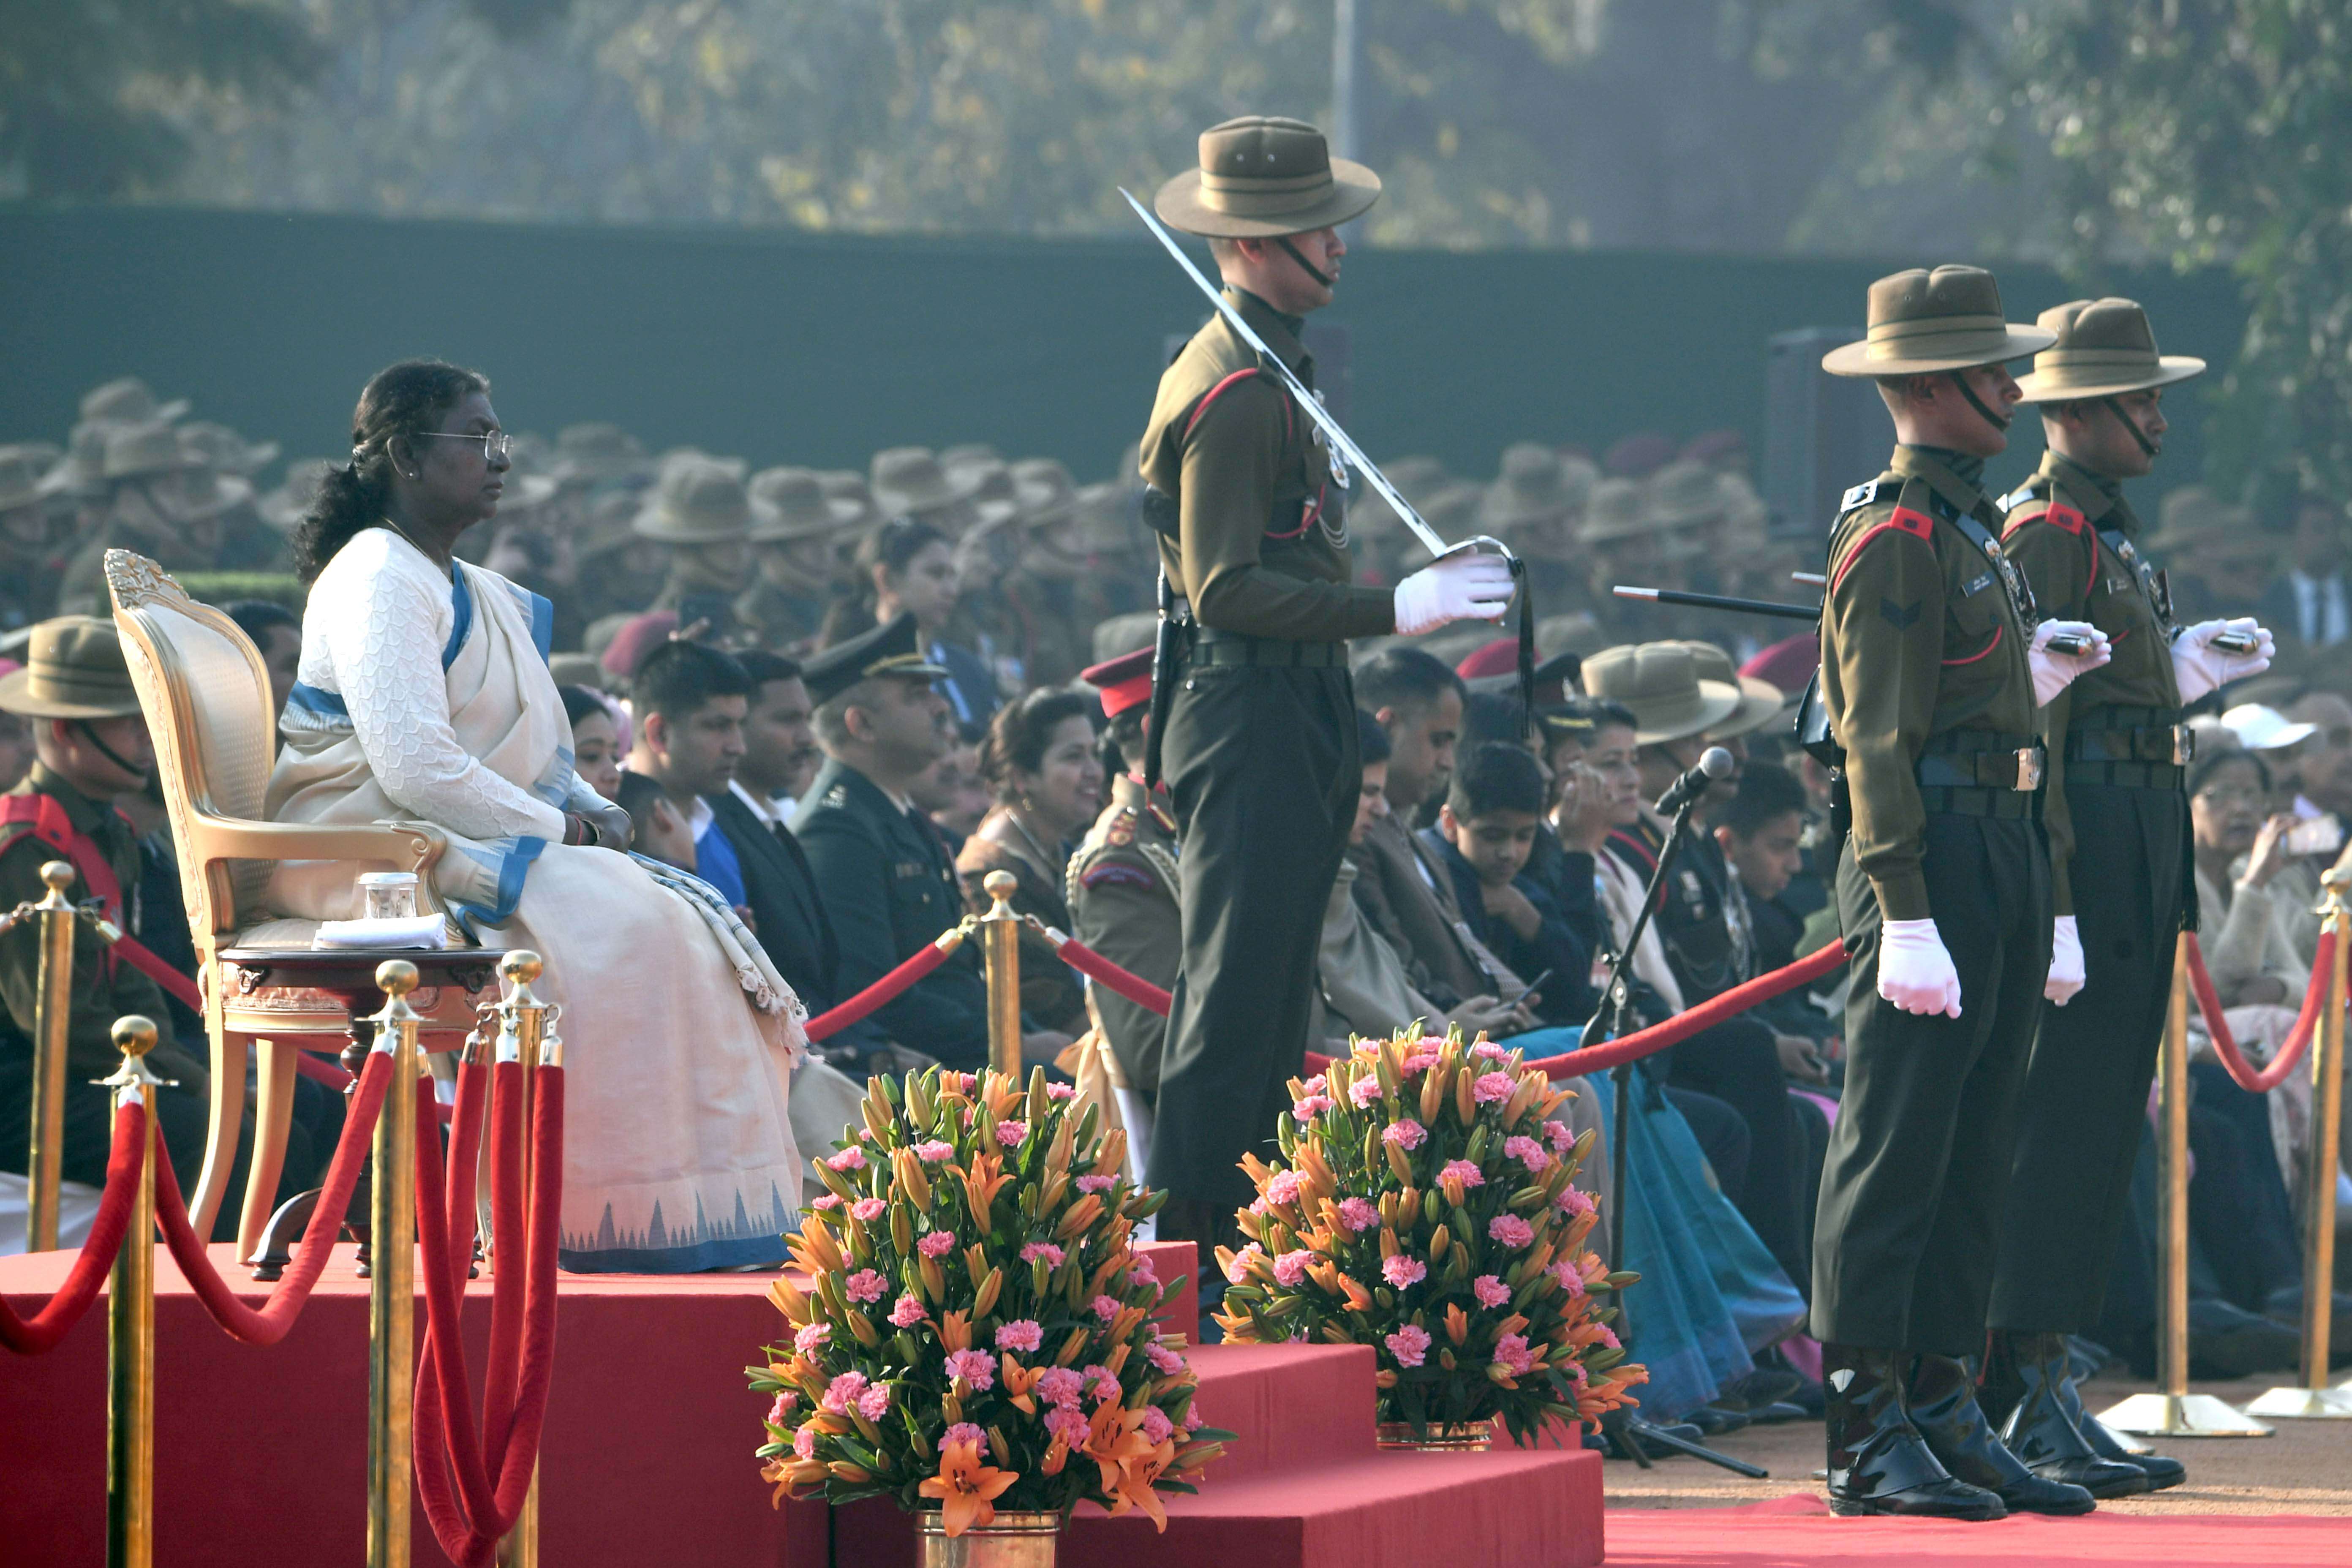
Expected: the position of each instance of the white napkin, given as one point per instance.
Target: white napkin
(416, 930)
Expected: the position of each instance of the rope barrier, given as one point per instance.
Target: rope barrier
(1682, 1026)
(1102, 970)
(269, 1323)
(2225, 1046)
(42, 1331)
(887, 989)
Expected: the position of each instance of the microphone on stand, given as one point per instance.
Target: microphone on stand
(1713, 765)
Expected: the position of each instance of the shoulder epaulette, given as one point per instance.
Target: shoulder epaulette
(2061, 515)
(1862, 495)
(1902, 520)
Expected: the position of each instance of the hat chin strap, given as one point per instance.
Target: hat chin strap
(1960, 380)
(2130, 424)
(1304, 264)
(109, 752)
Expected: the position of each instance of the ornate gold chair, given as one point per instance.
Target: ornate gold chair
(206, 697)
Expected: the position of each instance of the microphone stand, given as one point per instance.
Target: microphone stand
(1624, 1426)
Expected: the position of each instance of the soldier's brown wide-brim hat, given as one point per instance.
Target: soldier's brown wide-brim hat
(73, 669)
(2105, 348)
(1922, 321)
(1260, 177)
(1659, 681)
(1760, 701)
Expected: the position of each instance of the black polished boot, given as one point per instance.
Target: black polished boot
(2023, 1373)
(1940, 1394)
(2161, 1470)
(1878, 1461)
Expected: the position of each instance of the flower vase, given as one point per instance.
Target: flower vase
(1011, 1540)
(1469, 1437)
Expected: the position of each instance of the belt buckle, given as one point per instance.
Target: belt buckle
(2184, 745)
(2029, 768)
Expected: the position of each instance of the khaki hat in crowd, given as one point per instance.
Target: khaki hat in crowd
(21, 471)
(211, 493)
(2189, 515)
(987, 484)
(789, 503)
(1683, 493)
(1922, 321)
(698, 502)
(135, 451)
(849, 485)
(285, 507)
(597, 453)
(1615, 511)
(82, 470)
(910, 480)
(73, 669)
(968, 455)
(1744, 514)
(527, 493)
(1659, 682)
(218, 446)
(1261, 176)
(1760, 701)
(1044, 490)
(1369, 514)
(1534, 486)
(127, 400)
(2105, 348)
(1106, 517)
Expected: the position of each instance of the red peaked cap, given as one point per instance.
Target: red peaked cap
(1124, 682)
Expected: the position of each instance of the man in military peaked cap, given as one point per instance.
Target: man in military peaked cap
(1934, 663)
(2122, 881)
(1260, 743)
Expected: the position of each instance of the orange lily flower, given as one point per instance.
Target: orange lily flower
(1135, 1478)
(1112, 1440)
(967, 1489)
(980, 1185)
(1019, 1380)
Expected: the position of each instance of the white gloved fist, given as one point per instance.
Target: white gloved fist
(2054, 672)
(2067, 973)
(1915, 972)
(2199, 666)
(1464, 587)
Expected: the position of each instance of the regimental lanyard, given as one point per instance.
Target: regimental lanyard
(2152, 585)
(1339, 465)
(2012, 581)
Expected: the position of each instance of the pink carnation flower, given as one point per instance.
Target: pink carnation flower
(1357, 1215)
(865, 1286)
(938, 1243)
(1490, 1290)
(1609, 1337)
(867, 1210)
(1306, 1109)
(1012, 1133)
(1466, 1172)
(1141, 1270)
(1510, 1230)
(1242, 1260)
(1193, 1422)
(1096, 1184)
(1364, 1090)
(974, 1367)
(962, 1432)
(1422, 1061)
(1405, 1133)
(850, 1159)
(1157, 1427)
(782, 1407)
(1409, 1345)
(830, 1202)
(1527, 1153)
(875, 1403)
(804, 1443)
(843, 1391)
(1060, 1385)
(1044, 1249)
(1021, 1335)
(1401, 1271)
(1487, 1050)
(1559, 1137)
(1573, 1202)
(1102, 1385)
(1282, 1187)
(931, 1151)
(1061, 1091)
(1164, 1361)
(1492, 1087)
(1068, 1423)
(1106, 1308)
(958, 1082)
(907, 1312)
(1570, 1279)
(1511, 1353)
(811, 1336)
(1290, 1267)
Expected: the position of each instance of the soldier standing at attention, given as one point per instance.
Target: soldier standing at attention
(1933, 666)
(2119, 865)
(1260, 745)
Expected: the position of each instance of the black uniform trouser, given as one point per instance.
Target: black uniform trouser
(1263, 768)
(2086, 1093)
(1919, 1161)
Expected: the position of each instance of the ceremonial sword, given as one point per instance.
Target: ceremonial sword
(1342, 447)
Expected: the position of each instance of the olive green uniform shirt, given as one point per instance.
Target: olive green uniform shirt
(1921, 636)
(102, 990)
(2053, 534)
(1121, 887)
(1263, 545)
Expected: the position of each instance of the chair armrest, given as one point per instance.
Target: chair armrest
(412, 846)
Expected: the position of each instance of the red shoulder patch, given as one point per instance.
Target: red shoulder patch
(1112, 874)
(2067, 517)
(1914, 523)
(1903, 521)
(2023, 517)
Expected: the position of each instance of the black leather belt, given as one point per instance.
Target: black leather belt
(1211, 647)
(2117, 735)
(1982, 773)
(2126, 776)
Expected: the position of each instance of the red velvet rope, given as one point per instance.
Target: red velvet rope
(1096, 967)
(1682, 1026)
(268, 1324)
(336, 1078)
(2315, 1002)
(833, 1020)
(42, 1330)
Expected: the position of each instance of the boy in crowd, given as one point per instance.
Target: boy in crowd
(1485, 831)
(690, 701)
(1761, 836)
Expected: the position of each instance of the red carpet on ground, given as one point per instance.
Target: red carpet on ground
(1800, 1528)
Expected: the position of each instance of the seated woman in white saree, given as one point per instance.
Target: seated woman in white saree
(425, 695)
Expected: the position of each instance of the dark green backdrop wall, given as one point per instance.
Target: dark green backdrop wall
(794, 348)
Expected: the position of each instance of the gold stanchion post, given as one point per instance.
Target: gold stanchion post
(51, 1007)
(2315, 1399)
(523, 1028)
(391, 1276)
(2172, 1411)
(131, 1327)
(1002, 928)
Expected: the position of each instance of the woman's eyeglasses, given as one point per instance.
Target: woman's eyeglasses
(495, 444)
(2225, 794)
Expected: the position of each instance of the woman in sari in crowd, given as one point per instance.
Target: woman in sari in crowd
(425, 695)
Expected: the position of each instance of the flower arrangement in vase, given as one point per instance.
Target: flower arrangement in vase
(1426, 1209)
(976, 1333)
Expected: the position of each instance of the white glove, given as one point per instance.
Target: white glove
(2066, 975)
(1464, 587)
(2199, 666)
(2054, 672)
(1915, 972)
